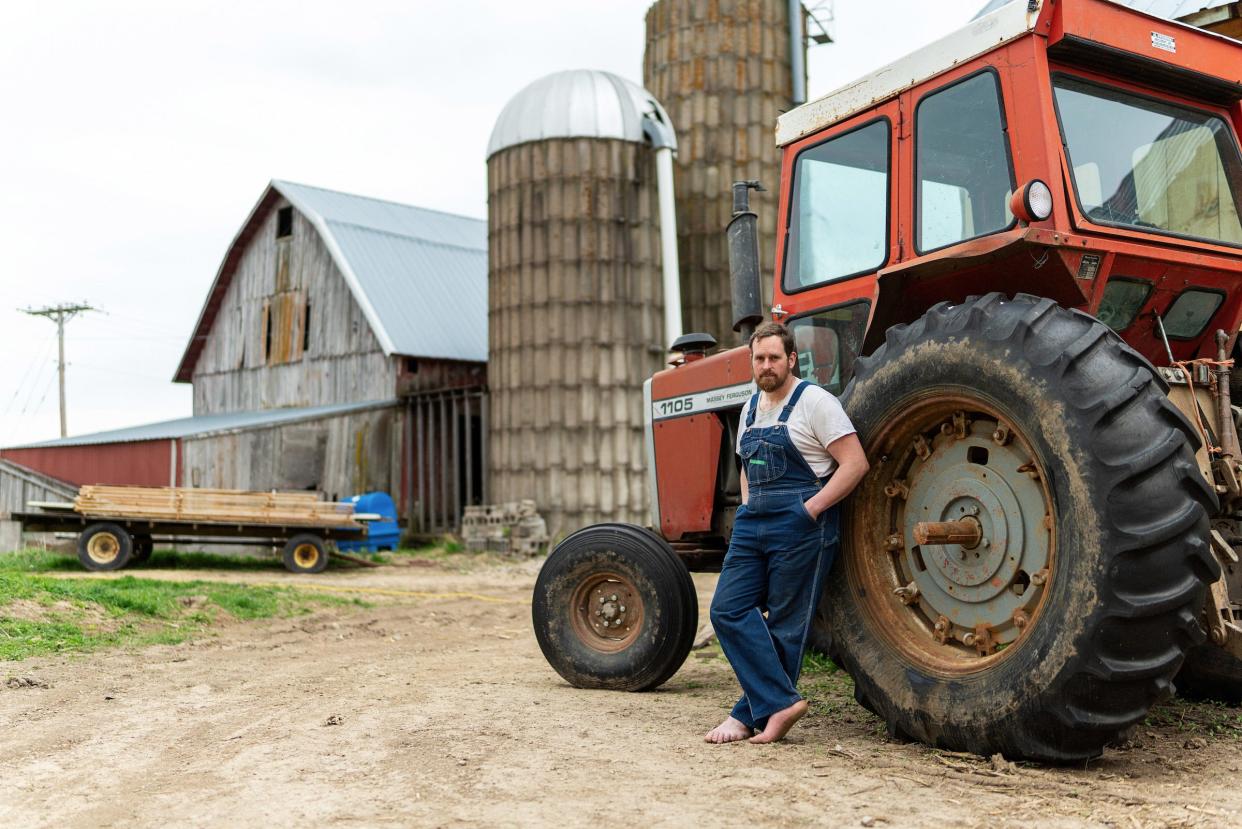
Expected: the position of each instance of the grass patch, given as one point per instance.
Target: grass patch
(42, 614)
(1206, 719)
(35, 561)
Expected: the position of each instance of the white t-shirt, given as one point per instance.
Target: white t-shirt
(816, 421)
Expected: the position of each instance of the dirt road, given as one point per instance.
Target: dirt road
(434, 707)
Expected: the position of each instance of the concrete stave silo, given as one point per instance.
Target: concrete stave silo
(722, 68)
(576, 310)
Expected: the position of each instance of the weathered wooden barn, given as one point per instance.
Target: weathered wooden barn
(342, 348)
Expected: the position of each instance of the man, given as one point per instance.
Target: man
(800, 457)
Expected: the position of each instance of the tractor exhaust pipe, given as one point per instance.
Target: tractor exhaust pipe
(743, 236)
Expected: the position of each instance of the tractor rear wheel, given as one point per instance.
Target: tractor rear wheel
(614, 607)
(1023, 568)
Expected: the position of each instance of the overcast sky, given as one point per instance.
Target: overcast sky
(136, 136)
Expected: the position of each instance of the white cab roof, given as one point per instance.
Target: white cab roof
(1002, 25)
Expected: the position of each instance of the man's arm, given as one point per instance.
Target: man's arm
(851, 467)
(745, 491)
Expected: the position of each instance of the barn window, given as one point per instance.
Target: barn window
(306, 327)
(284, 222)
(267, 332)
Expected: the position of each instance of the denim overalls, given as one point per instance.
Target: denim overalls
(776, 562)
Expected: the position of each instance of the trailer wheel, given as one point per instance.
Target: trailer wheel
(305, 553)
(143, 547)
(105, 546)
(1066, 606)
(615, 608)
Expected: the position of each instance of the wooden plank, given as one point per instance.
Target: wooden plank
(184, 504)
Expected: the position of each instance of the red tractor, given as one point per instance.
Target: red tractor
(1016, 256)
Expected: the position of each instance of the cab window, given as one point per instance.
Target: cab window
(838, 222)
(962, 164)
(1150, 165)
(828, 342)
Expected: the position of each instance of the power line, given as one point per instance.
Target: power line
(39, 406)
(60, 314)
(30, 375)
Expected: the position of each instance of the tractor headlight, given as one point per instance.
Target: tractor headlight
(1033, 202)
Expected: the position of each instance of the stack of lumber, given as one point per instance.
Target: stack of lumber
(221, 506)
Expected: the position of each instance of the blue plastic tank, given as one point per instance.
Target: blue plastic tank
(381, 535)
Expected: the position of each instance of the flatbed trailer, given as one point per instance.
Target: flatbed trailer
(119, 526)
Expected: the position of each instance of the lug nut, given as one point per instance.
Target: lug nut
(613, 597)
(908, 594)
(622, 608)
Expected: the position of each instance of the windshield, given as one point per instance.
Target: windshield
(1150, 165)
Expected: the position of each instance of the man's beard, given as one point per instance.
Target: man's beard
(769, 381)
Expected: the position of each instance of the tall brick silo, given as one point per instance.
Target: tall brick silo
(575, 297)
(722, 68)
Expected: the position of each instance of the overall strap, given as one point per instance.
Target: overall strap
(750, 412)
(793, 401)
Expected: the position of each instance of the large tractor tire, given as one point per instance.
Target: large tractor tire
(615, 608)
(1067, 611)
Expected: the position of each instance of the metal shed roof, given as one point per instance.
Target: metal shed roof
(1168, 9)
(419, 275)
(203, 425)
(577, 103)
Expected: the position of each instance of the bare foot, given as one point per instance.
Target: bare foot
(780, 723)
(729, 731)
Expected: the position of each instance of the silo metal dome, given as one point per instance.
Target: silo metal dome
(575, 295)
(581, 103)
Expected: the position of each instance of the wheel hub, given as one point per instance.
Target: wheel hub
(306, 555)
(608, 612)
(968, 530)
(103, 547)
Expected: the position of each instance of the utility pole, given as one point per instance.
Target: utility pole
(61, 314)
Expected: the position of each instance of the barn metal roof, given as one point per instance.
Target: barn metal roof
(577, 103)
(1168, 9)
(419, 275)
(203, 425)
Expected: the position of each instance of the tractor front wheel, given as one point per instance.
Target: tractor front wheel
(1022, 569)
(614, 607)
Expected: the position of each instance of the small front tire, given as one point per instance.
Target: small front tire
(615, 608)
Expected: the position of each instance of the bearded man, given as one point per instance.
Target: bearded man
(800, 457)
